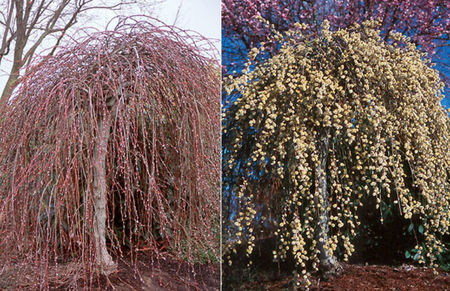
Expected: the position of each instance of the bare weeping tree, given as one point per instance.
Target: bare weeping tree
(25, 25)
(113, 141)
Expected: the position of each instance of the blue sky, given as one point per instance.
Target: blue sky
(444, 56)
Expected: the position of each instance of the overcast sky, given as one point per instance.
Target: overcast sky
(202, 16)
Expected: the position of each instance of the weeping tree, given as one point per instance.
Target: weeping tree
(326, 125)
(113, 141)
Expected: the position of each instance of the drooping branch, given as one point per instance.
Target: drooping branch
(26, 24)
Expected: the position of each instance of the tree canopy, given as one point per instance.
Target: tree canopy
(26, 25)
(244, 24)
(322, 127)
(120, 129)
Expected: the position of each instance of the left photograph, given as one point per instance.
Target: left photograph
(110, 145)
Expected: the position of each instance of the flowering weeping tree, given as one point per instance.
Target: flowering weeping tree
(326, 125)
(113, 141)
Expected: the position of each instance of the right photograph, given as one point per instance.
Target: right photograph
(335, 145)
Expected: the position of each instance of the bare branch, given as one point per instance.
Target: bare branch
(6, 42)
(28, 23)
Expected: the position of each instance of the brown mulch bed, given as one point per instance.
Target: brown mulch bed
(404, 278)
(370, 278)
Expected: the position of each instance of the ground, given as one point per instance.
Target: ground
(370, 278)
(165, 274)
(149, 273)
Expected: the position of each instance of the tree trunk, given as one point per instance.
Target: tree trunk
(10, 85)
(104, 259)
(17, 63)
(328, 262)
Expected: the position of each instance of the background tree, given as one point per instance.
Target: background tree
(113, 140)
(25, 25)
(426, 22)
(324, 126)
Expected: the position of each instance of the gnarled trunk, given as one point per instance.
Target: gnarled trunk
(328, 262)
(104, 259)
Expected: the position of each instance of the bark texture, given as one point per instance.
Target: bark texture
(12, 79)
(104, 259)
(328, 262)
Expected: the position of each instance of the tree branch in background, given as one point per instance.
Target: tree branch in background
(26, 24)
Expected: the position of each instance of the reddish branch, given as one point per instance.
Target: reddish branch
(24, 25)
